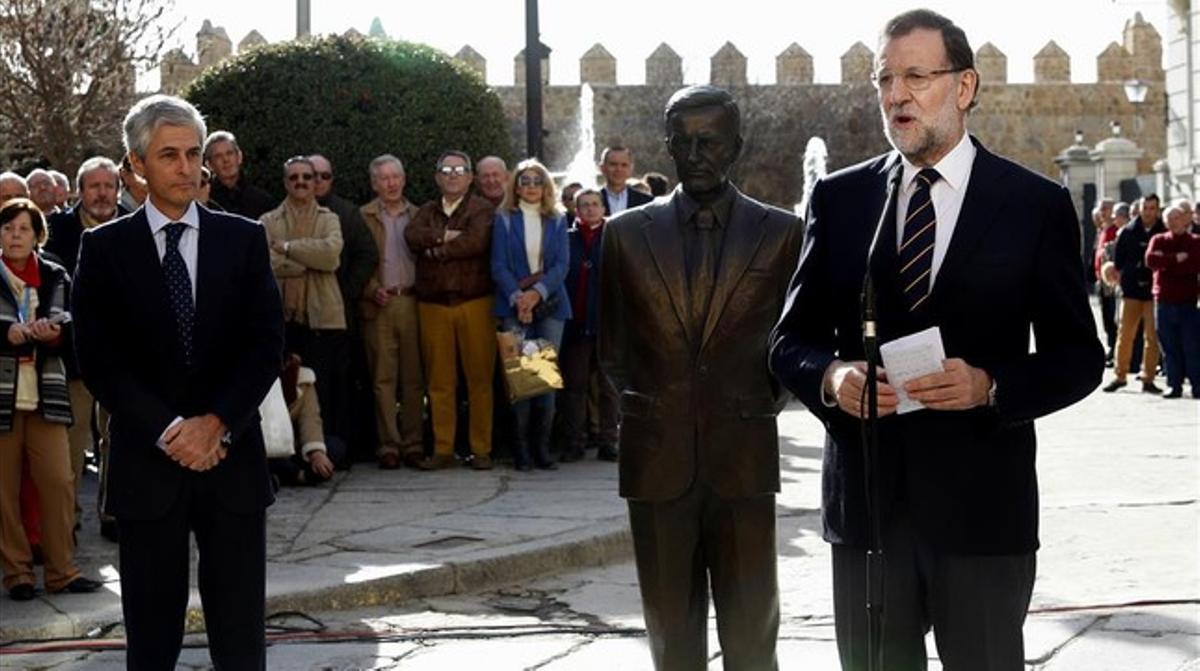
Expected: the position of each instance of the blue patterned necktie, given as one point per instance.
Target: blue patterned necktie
(916, 249)
(179, 288)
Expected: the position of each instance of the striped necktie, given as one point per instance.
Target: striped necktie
(916, 250)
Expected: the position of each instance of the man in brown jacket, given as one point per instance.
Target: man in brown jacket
(452, 239)
(306, 247)
(389, 312)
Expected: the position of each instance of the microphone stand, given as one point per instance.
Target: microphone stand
(870, 442)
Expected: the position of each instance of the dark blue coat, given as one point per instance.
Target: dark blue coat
(586, 327)
(510, 264)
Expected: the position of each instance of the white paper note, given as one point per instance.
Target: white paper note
(911, 357)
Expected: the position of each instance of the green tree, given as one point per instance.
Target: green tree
(350, 100)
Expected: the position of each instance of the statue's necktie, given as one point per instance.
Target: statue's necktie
(916, 249)
(179, 288)
(704, 267)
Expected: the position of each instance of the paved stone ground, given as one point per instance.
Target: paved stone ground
(1119, 478)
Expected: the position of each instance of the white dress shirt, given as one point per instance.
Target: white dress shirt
(617, 202)
(947, 196)
(189, 242)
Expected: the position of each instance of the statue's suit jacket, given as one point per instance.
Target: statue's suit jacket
(1012, 268)
(696, 405)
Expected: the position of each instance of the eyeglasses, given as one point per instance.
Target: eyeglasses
(456, 170)
(300, 176)
(530, 180)
(914, 80)
(324, 176)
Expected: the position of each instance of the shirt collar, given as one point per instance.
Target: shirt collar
(191, 217)
(449, 206)
(721, 207)
(954, 168)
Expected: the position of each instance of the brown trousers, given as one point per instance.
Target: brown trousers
(44, 444)
(1132, 312)
(464, 332)
(394, 355)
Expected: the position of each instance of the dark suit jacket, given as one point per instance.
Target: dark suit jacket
(66, 227)
(686, 417)
(132, 361)
(967, 477)
(359, 257)
(635, 199)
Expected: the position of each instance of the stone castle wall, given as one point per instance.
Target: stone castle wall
(1028, 122)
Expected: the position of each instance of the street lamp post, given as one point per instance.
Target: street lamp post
(535, 51)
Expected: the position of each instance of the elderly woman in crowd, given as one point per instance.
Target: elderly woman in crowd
(530, 255)
(35, 408)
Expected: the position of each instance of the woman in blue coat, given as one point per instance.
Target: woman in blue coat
(530, 254)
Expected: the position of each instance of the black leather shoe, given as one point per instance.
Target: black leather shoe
(1114, 385)
(81, 585)
(1151, 388)
(1173, 392)
(22, 592)
(607, 453)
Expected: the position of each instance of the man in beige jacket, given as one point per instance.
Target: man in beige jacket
(306, 243)
(389, 312)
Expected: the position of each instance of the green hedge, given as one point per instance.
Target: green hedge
(350, 100)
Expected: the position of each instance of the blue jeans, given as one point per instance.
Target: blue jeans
(535, 416)
(1179, 334)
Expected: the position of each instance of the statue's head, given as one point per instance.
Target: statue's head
(703, 137)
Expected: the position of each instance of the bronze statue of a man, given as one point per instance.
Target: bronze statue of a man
(691, 285)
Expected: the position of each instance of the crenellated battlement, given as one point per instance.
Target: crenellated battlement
(1029, 122)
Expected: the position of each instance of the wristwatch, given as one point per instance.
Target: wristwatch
(991, 401)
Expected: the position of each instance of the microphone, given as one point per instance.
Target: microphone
(870, 444)
(870, 336)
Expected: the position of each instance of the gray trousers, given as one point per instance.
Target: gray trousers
(975, 605)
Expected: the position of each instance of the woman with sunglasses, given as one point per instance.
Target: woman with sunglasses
(530, 255)
(35, 408)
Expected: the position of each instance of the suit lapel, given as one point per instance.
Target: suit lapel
(884, 259)
(980, 205)
(146, 269)
(516, 244)
(662, 239)
(743, 235)
(208, 256)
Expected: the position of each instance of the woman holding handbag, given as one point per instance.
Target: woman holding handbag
(530, 255)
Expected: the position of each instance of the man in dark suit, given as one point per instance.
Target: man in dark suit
(98, 183)
(690, 287)
(985, 250)
(616, 164)
(179, 335)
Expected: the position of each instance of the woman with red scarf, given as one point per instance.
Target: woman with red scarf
(35, 408)
(579, 361)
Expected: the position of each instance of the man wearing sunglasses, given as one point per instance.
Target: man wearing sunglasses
(985, 250)
(451, 237)
(306, 246)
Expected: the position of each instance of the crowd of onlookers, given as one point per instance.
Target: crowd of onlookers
(1147, 261)
(391, 316)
